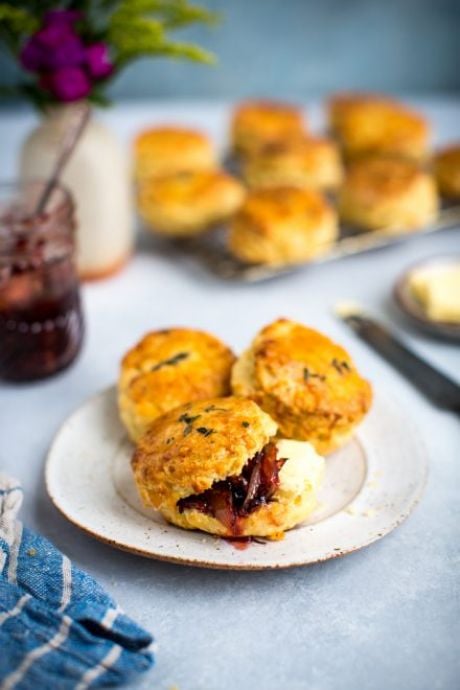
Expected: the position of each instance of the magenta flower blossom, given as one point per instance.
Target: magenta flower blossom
(53, 46)
(98, 60)
(67, 83)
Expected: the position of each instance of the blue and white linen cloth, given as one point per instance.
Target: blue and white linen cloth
(59, 630)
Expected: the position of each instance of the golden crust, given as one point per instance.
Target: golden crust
(258, 123)
(366, 124)
(166, 150)
(387, 193)
(187, 204)
(306, 382)
(179, 457)
(169, 368)
(174, 459)
(302, 162)
(446, 167)
(283, 225)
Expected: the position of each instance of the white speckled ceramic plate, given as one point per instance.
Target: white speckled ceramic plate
(371, 486)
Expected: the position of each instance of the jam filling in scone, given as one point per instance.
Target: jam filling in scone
(235, 497)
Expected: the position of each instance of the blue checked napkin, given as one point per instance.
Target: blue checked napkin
(59, 630)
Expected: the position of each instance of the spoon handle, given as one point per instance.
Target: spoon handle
(77, 124)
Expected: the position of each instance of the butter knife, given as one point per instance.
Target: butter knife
(436, 386)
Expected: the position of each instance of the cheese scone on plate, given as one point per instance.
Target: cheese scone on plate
(168, 368)
(306, 382)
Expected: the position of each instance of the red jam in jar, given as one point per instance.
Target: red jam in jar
(41, 324)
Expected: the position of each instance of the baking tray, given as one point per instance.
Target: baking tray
(209, 250)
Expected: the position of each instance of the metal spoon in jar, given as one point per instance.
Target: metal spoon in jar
(77, 124)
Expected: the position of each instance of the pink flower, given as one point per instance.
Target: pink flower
(98, 60)
(67, 83)
(53, 46)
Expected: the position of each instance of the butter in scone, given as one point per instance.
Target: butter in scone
(217, 466)
(168, 368)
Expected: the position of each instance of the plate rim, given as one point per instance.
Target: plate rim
(200, 563)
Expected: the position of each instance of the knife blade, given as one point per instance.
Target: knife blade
(436, 386)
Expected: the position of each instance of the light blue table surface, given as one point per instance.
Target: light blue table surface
(384, 618)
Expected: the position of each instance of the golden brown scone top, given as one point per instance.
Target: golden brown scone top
(191, 447)
(197, 187)
(300, 370)
(258, 123)
(367, 124)
(268, 208)
(172, 366)
(382, 177)
(166, 149)
(303, 161)
(447, 171)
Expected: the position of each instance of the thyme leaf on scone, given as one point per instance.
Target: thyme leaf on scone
(205, 431)
(307, 375)
(340, 366)
(171, 362)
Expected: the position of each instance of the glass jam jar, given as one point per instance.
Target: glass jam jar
(41, 324)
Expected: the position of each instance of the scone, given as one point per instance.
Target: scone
(387, 193)
(281, 226)
(169, 368)
(166, 150)
(365, 124)
(256, 124)
(216, 466)
(190, 203)
(302, 162)
(446, 167)
(307, 383)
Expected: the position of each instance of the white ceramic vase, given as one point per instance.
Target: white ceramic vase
(99, 177)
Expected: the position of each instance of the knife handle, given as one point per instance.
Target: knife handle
(440, 389)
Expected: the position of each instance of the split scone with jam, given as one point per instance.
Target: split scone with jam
(367, 124)
(166, 150)
(308, 384)
(386, 193)
(256, 124)
(168, 368)
(217, 466)
(189, 203)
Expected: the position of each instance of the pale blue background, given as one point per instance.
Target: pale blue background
(302, 48)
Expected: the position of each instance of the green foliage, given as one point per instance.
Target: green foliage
(131, 28)
(15, 23)
(138, 28)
